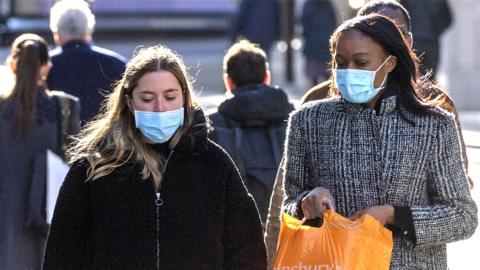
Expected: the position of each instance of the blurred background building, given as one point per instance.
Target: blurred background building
(210, 20)
(199, 31)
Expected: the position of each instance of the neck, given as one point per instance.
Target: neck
(65, 39)
(373, 104)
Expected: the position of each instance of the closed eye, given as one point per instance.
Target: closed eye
(362, 63)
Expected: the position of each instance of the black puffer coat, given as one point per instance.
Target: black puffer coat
(207, 219)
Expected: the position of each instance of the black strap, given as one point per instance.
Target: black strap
(277, 154)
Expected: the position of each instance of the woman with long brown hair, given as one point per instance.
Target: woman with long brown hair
(30, 124)
(147, 189)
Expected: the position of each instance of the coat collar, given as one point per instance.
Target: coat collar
(75, 44)
(256, 105)
(195, 141)
(386, 105)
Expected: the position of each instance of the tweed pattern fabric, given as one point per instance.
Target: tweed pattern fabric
(390, 156)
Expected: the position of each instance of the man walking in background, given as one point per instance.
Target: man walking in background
(80, 68)
(251, 125)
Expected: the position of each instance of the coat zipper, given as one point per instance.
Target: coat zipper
(159, 203)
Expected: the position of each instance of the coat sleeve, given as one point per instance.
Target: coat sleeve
(272, 226)
(297, 171)
(67, 239)
(452, 213)
(243, 234)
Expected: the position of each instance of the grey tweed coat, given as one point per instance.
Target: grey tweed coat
(367, 158)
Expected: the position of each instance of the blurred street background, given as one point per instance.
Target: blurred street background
(199, 31)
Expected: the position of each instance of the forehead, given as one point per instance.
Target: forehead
(157, 82)
(396, 15)
(352, 42)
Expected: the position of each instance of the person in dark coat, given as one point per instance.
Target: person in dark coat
(148, 189)
(257, 21)
(430, 19)
(80, 68)
(30, 124)
(318, 22)
(251, 125)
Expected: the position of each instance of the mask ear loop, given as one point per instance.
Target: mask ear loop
(384, 79)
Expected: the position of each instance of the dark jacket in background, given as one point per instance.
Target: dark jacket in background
(251, 126)
(257, 21)
(207, 219)
(318, 22)
(22, 163)
(430, 19)
(85, 71)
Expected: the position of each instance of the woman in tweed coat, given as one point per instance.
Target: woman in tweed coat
(380, 151)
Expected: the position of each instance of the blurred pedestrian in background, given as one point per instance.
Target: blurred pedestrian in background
(318, 22)
(251, 125)
(377, 148)
(147, 189)
(258, 21)
(30, 124)
(430, 19)
(80, 68)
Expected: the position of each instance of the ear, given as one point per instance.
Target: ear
(268, 78)
(129, 102)
(391, 63)
(87, 38)
(57, 38)
(229, 84)
(13, 64)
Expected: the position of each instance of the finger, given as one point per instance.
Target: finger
(328, 202)
(318, 208)
(305, 209)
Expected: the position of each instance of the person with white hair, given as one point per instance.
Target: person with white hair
(80, 68)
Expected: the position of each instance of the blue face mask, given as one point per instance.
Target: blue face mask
(356, 86)
(159, 127)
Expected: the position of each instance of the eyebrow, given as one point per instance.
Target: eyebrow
(361, 54)
(356, 54)
(146, 91)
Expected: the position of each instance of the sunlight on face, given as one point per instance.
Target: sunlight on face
(355, 50)
(157, 91)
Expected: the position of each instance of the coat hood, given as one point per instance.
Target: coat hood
(257, 105)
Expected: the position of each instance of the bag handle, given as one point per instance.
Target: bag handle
(281, 240)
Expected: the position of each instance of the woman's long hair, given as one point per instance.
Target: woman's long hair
(111, 139)
(404, 78)
(28, 54)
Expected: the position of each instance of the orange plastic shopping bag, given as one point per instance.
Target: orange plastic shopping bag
(339, 244)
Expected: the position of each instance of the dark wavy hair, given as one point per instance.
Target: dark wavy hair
(404, 79)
